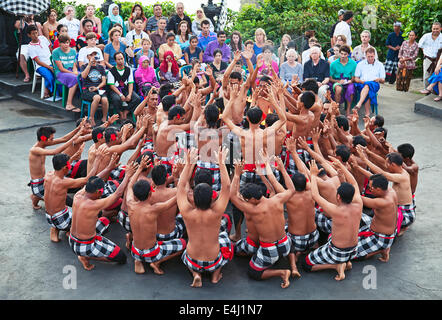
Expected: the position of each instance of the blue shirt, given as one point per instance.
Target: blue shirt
(211, 47)
(109, 49)
(196, 54)
(394, 40)
(204, 41)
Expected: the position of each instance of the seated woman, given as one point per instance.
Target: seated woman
(112, 18)
(435, 80)
(170, 45)
(137, 11)
(112, 47)
(65, 69)
(90, 14)
(62, 29)
(146, 44)
(291, 69)
(199, 73)
(50, 26)
(169, 69)
(183, 35)
(193, 51)
(218, 65)
(145, 77)
(265, 70)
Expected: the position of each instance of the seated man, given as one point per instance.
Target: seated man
(346, 216)
(93, 87)
(86, 238)
(39, 50)
(88, 26)
(318, 69)
(206, 36)
(219, 43)
(208, 249)
(121, 83)
(91, 40)
(369, 74)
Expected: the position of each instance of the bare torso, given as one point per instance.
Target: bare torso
(301, 213)
(385, 219)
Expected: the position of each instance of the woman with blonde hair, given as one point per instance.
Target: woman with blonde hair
(260, 41)
(282, 50)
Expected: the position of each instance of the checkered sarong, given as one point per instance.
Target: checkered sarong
(225, 255)
(406, 215)
(329, 254)
(246, 245)
(97, 246)
(118, 173)
(159, 251)
(177, 233)
(226, 223)
(147, 146)
(250, 176)
(37, 187)
(370, 241)
(168, 163)
(110, 187)
(60, 220)
(123, 219)
(269, 253)
(213, 169)
(73, 171)
(323, 223)
(390, 67)
(304, 242)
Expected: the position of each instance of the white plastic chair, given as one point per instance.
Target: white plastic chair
(34, 81)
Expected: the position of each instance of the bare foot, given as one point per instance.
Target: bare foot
(128, 241)
(85, 262)
(156, 268)
(340, 268)
(197, 282)
(385, 255)
(402, 231)
(54, 235)
(235, 237)
(285, 279)
(216, 276)
(348, 266)
(139, 267)
(92, 122)
(35, 201)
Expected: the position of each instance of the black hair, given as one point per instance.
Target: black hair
(347, 15)
(159, 175)
(271, 119)
(168, 101)
(59, 161)
(31, 28)
(193, 38)
(138, 18)
(300, 181)
(202, 196)
(45, 131)
(251, 190)
(141, 189)
(220, 103)
(236, 75)
(310, 85)
(346, 191)
(381, 129)
(343, 151)
(379, 181)
(165, 89)
(254, 115)
(94, 184)
(196, 80)
(60, 26)
(396, 158)
(149, 154)
(266, 79)
(359, 140)
(129, 121)
(220, 33)
(345, 48)
(211, 114)
(95, 132)
(322, 171)
(117, 53)
(406, 150)
(109, 134)
(174, 111)
(308, 98)
(86, 21)
(379, 121)
(322, 117)
(342, 122)
(170, 35)
(204, 22)
(203, 176)
(217, 51)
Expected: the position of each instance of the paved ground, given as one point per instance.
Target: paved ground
(34, 268)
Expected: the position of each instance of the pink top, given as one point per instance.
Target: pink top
(265, 71)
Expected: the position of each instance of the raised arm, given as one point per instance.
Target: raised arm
(184, 182)
(224, 194)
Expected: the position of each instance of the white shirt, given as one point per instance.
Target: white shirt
(111, 78)
(344, 29)
(358, 54)
(40, 50)
(73, 27)
(370, 72)
(85, 51)
(305, 56)
(430, 46)
(134, 39)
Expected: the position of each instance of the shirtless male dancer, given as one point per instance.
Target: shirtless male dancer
(208, 249)
(38, 153)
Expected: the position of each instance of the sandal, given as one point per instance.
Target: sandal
(425, 91)
(27, 79)
(438, 98)
(76, 110)
(70, 108)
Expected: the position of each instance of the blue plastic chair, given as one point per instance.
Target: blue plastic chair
(65, 89)
(185, 69)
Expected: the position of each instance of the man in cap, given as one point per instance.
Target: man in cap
(332, 30)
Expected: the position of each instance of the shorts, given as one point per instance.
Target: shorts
(225, 255)
(60, 220)
(304, 242)
(247, 246)
(159, 251)
(370, 241)
(89, 95)
(269, 253)
(177, 233)
(123, 219)
(37, 187)
(406, 216)
(213, 169)
(328, 254)
(323, 223)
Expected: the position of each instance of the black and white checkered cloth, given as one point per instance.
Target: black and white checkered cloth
(323, 223)
(123, 219)
(24, 7)
(226, 223)
(408, 214)
(60, 220)
(213, 169)
(304, 242)
(178, 232)
(222, 19)
(390, 67)
(118, 173)
(159, 251)
(110, 187)
(369, 241)
(247, 246)
(37, 187)
(269, 253)
(329, 254)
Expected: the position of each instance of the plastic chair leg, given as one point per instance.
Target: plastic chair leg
(42, 92)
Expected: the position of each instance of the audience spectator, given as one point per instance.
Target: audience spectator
(152, 23)
(335, 55)
(159, 37)
(71, 22)
(193, 51)
(282, 50)
(319, 70)
(65, 69)
(62, 29)
(393, 43)
(291, 71)
(145, 77)
(199, 18)
(170, 45)
(134, 37)
(407, 62)
(220, 44)
(268, 62)
(358, 53)
(343, 27)
(88, 27)
(137, 12)
(430, 43)
(121, 94)
(312, 42)
(96, 22)
(50, 26)
(235, 43)
(342, 72)
(332, 30)
(146, 44)
(91, 40)
(113, 47)
(177, 18)
(248, 47)
(169, 69)
(218, 65)
(435, 80)
(260, 40)
(93, 85)
(183, 35)
(113, 17)
(206, 36)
